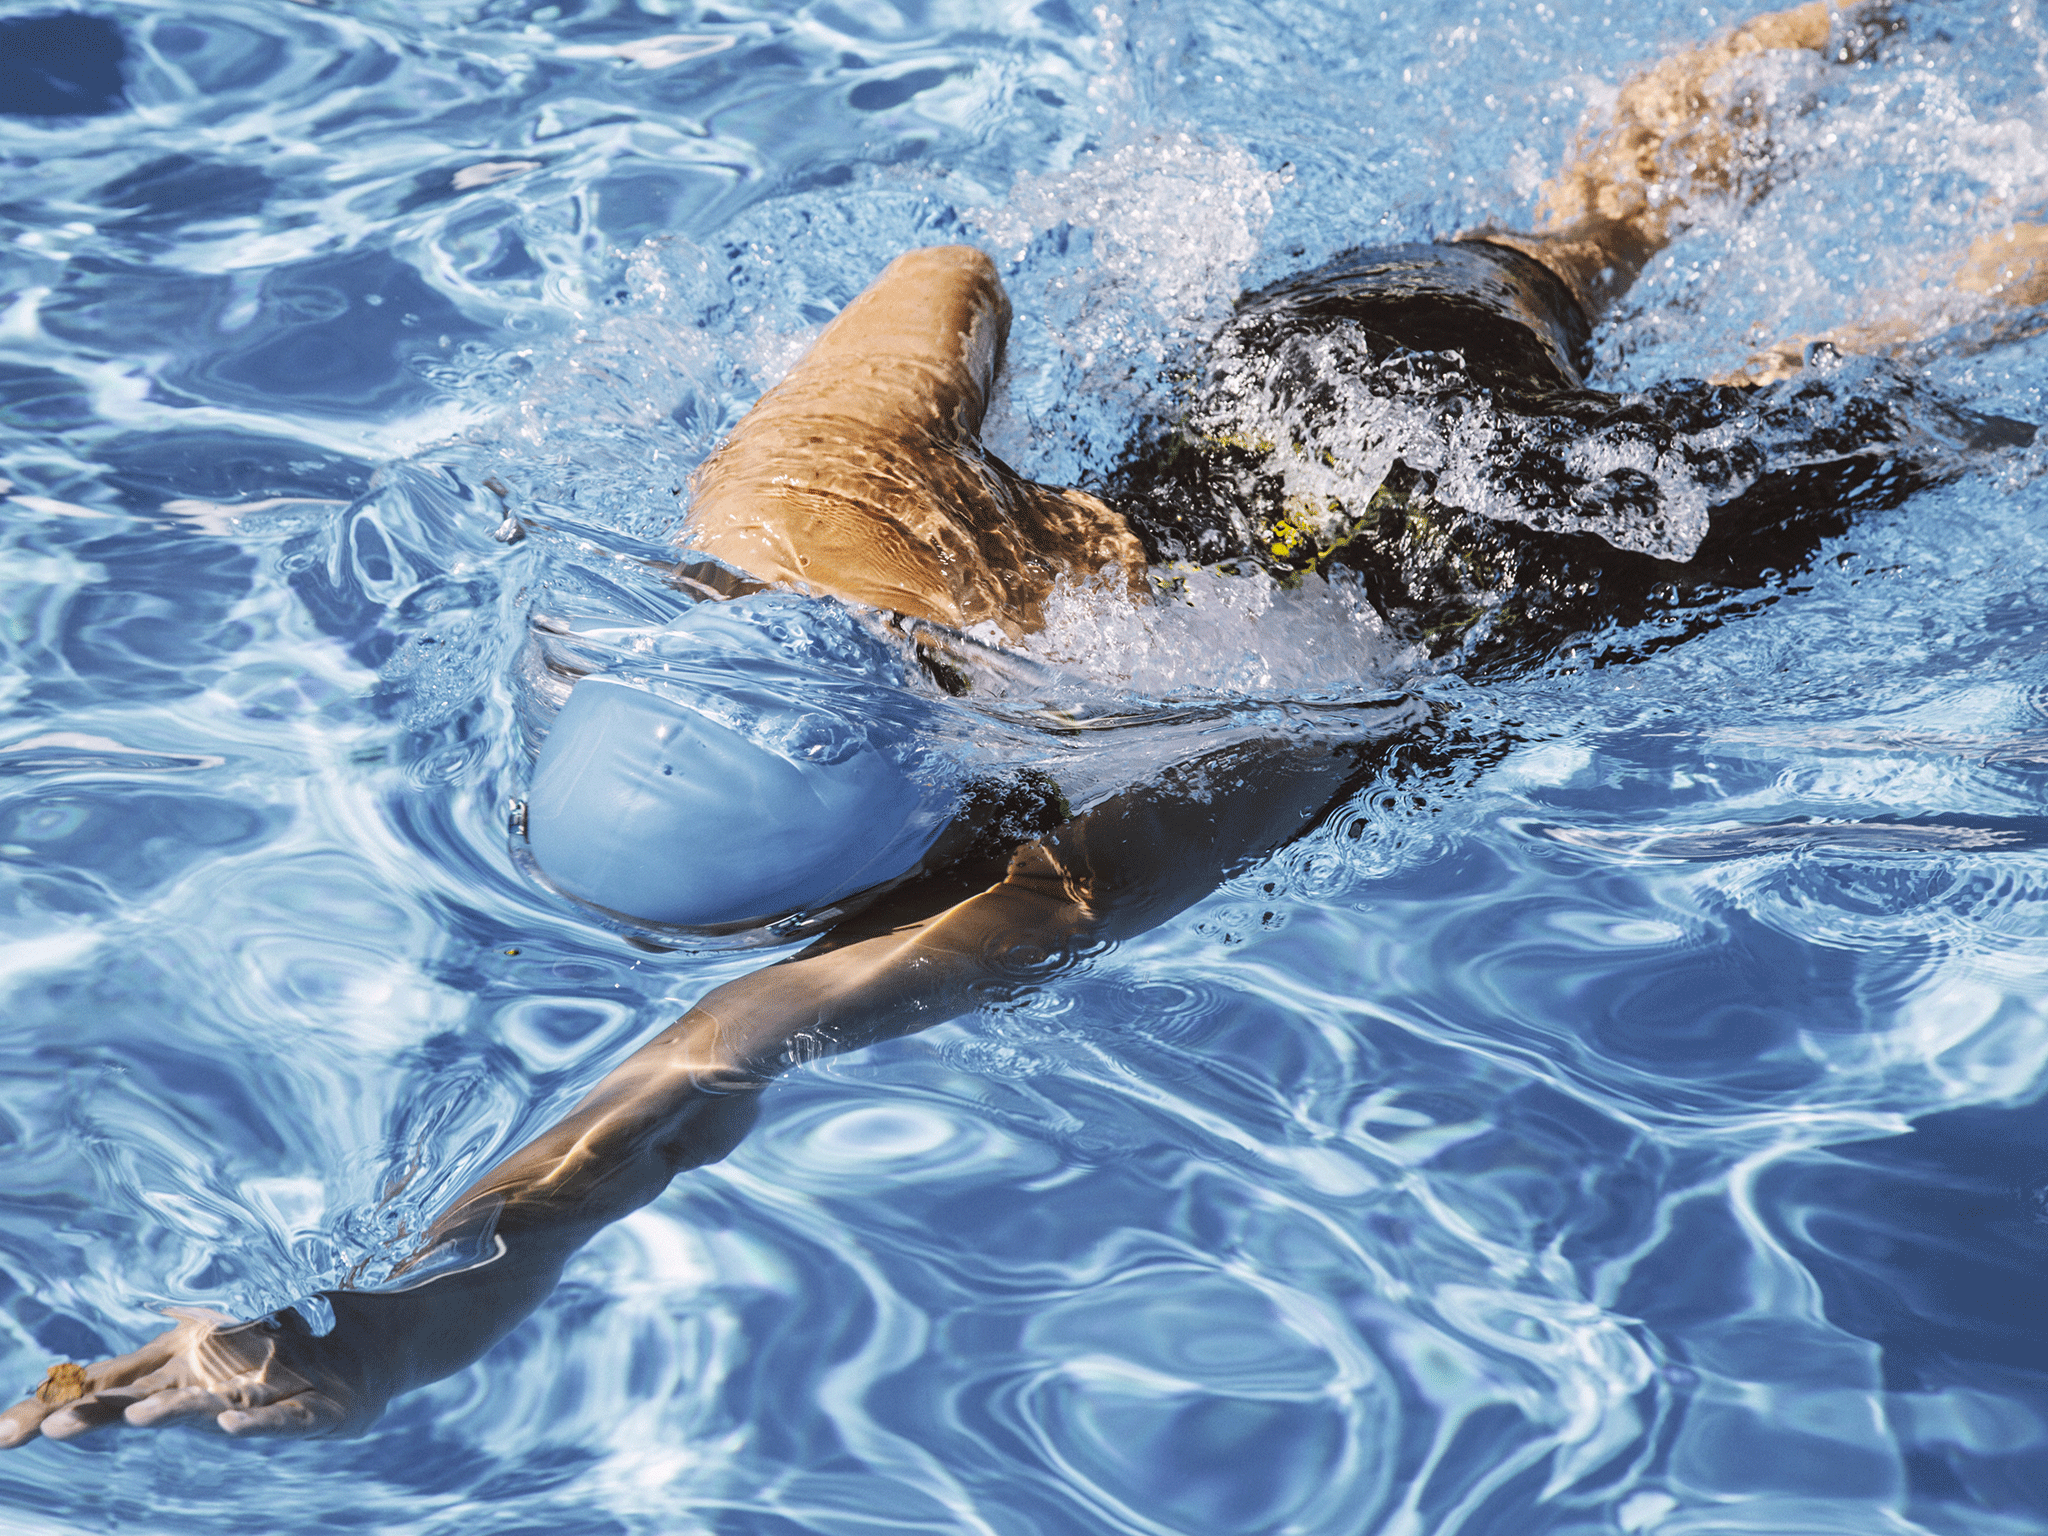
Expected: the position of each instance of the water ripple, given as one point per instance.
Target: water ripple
(1621, 1114)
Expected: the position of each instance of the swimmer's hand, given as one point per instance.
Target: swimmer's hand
(259, 1378)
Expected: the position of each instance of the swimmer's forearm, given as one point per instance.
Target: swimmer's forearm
(689, 1095)
(396, 1341)
(684, 1099)
(648, 1120)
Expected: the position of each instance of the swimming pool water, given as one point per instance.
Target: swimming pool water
(1623, 1115)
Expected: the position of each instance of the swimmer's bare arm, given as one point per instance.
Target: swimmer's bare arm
(687, 1097)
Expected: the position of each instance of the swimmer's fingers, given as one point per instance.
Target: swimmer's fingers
(101, 1404)
(89, 1413)
(98, 1394)
(310, 1413)
(23, 1422)
(243, 1408)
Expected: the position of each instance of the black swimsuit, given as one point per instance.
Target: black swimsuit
(1418, 416)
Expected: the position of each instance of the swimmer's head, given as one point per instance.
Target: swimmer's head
(658, 813)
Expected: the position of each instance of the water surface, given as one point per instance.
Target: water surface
(1621, 1116)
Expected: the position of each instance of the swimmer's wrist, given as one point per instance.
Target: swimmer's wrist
(311, 1316)
(385, 1343)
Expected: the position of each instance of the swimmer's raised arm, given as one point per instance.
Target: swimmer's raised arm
(688, 1096)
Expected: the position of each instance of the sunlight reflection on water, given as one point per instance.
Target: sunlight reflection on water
(1521, 1150)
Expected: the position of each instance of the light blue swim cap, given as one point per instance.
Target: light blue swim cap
(764, 790)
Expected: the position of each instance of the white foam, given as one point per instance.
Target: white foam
(1210, 632)
(1115, 266)
(1175, 222)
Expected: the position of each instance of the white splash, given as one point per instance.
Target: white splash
(1209, 632)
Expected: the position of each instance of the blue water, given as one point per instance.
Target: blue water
(1623, 1115)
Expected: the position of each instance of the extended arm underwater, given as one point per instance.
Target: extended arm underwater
(931, 951)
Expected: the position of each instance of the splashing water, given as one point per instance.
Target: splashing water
(1622, 1114)
(1225, 633)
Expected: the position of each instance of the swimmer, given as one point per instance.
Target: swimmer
(861, 477)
